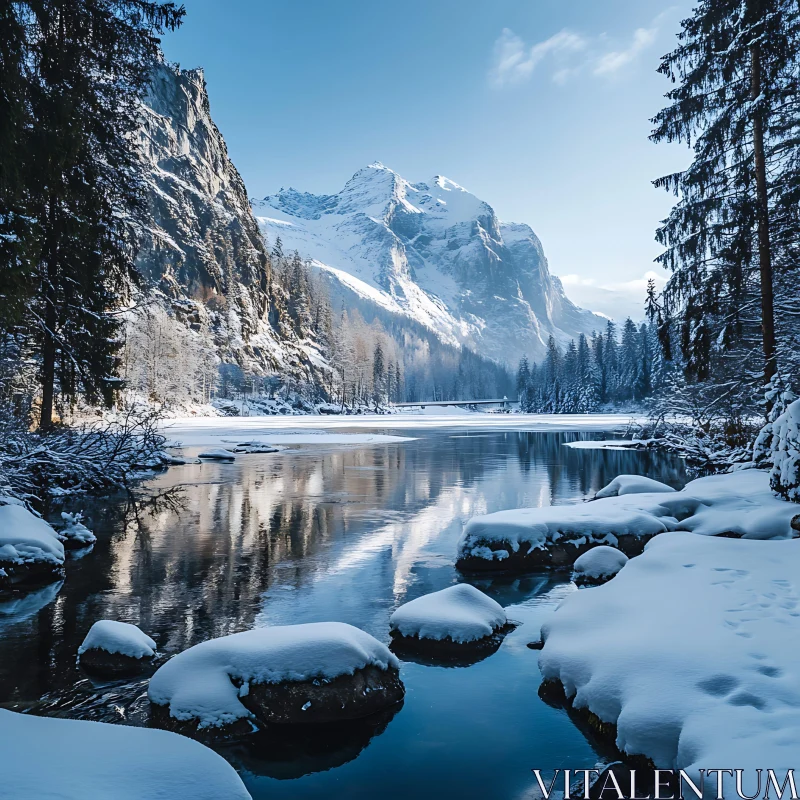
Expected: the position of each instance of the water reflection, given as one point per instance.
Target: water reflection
(315, 534)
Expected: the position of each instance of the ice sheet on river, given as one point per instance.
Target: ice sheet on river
(737, 504)
(692, 650)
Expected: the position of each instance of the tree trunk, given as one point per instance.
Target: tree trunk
(764, 250)
(48, 363)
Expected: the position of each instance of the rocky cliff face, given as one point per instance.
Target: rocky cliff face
(434, 252)
(200, 246)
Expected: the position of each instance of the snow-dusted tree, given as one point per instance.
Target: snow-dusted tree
(87, 63)
(735, 103)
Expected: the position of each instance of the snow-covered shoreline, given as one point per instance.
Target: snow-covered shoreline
(733, 504)
(690, 652)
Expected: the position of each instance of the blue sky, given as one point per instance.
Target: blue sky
(539, 107)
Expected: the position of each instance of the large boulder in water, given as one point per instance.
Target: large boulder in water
(293, 674)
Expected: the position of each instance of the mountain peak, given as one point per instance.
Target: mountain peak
(436, 253)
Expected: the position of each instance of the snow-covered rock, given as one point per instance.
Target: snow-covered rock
(435, 253)
(218, 454)
(632, 484)
(460, 613)
(30, 549)
(735, 504)
(63, 759)
(316, 672)
(115, 647)
(598, 565)
(74, 533)
(692, 652)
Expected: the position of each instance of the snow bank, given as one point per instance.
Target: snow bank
(632, 484)
(74, 532)
(27, 539)
(118, 637)
(218, 454)
(693, 651)
(599, 563)
(46, 757)
(201, 682)
(461, 613)
(738, 504)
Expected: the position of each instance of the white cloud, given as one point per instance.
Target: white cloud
(514, 61)
(567, 53)
(616, 59)
(616, 300)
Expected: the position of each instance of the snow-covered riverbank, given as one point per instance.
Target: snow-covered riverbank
(691, 651)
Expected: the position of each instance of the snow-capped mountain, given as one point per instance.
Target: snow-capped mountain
(433, 252)
(200, 245)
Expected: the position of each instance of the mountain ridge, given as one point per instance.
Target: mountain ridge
(434, 252)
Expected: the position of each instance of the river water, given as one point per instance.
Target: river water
(330, 533)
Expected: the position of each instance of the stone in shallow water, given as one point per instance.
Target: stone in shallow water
(292, 674)
(115, 648)
(459, 625)
(598, 565)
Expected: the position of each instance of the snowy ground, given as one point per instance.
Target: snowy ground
(692, 650)
(62, 759)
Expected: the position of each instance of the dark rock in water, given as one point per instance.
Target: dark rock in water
(446, 652)
(28, 576)
(559, 555)
(537, 645)
(287, 752)
(365, 692)
(101, 662)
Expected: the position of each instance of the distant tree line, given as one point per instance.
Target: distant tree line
(610, 368)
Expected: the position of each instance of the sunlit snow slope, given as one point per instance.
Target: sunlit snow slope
(433, 252)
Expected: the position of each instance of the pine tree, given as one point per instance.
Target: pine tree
(87, 64)
(378, 374)
(629, 361)
(735, 68)
(611, 361)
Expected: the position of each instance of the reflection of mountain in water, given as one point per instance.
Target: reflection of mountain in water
(341, 534)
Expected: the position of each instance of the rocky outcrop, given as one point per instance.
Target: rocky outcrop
(200, 248)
